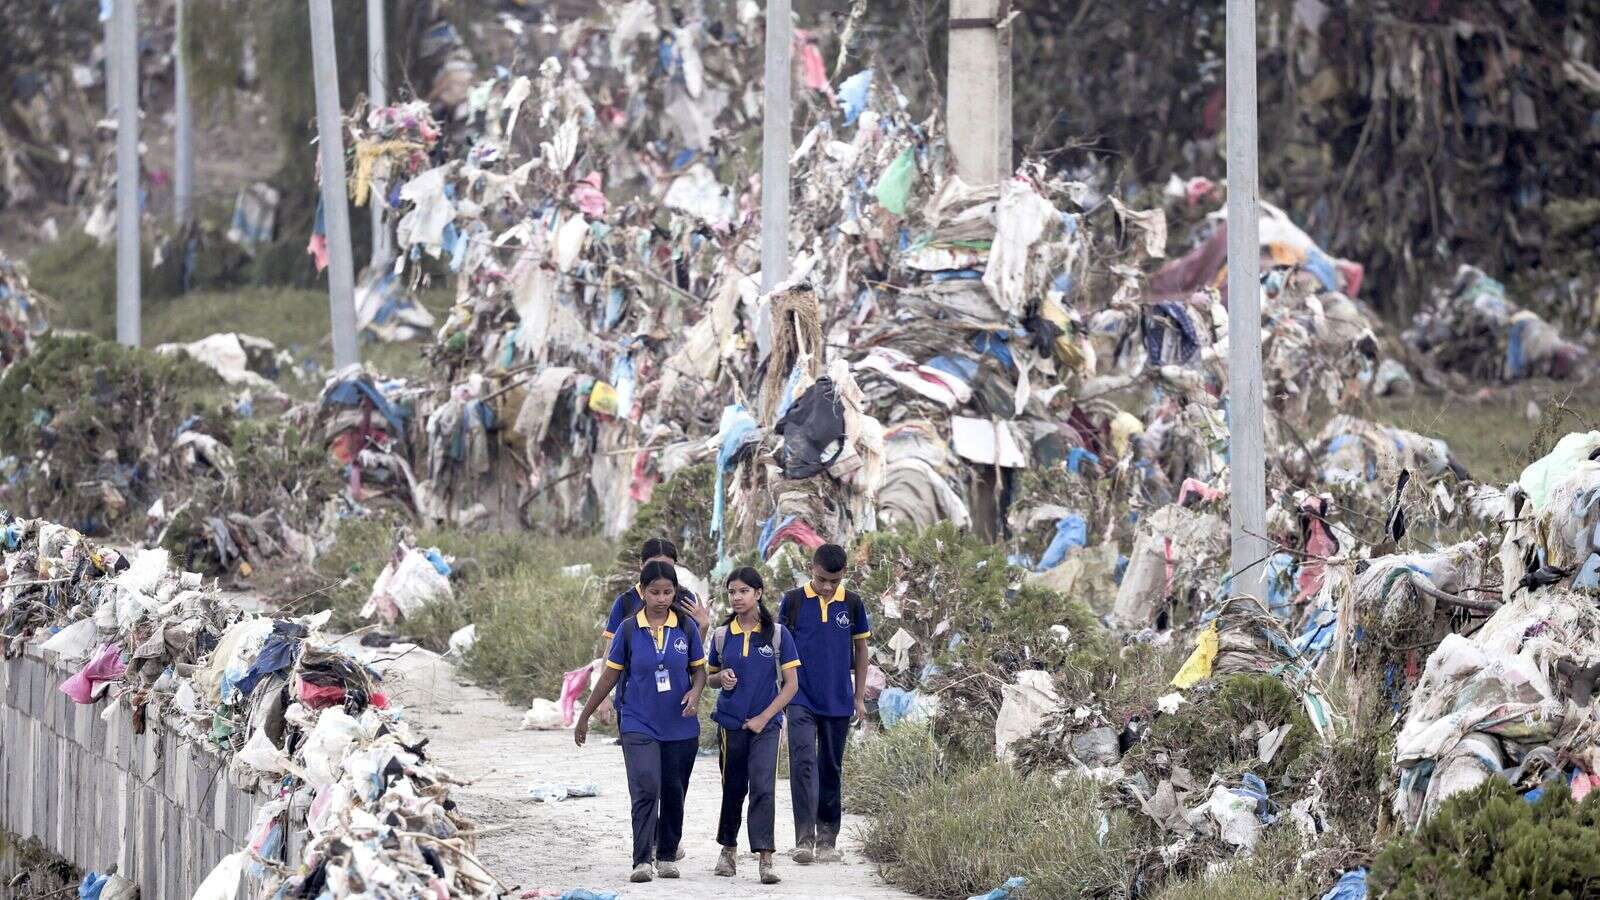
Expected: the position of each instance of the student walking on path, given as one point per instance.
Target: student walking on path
(830, 629)
(753, 661)
(660, 661)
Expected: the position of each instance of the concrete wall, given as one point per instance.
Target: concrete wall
(160, 809)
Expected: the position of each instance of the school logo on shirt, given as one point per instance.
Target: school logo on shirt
(767, 651)
(842, 619)
(681, 645)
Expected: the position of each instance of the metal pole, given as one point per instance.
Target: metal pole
(335, 202)
(775, 147)
(125, 19)
(378, 95)
(1246, 393)
(183, 140)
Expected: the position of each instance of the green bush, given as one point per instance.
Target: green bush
(1490, 842)
(90, 422)
(1204, 735)
(680, 511)
(968, 832)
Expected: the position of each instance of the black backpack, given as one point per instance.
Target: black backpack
(813, 431)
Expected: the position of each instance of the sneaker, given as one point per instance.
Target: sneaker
(767, 875)
(681, 854)
(805, 854)
(667, 869)
(727, 865)
(829, 855)
(641, 873)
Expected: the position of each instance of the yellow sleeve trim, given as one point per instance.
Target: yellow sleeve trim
(712, 670)
(698, 662)
(791, 665)
(608, 635)
(863, 635)
(612, 665)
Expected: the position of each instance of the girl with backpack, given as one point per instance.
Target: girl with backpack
(753, 661)
(660, 661)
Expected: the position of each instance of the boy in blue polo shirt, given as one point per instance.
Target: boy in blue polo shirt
(830, 630)
(660, 662)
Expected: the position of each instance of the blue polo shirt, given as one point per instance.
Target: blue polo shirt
(749, 655)
(825, 635)
(631, 601)
(676, 648)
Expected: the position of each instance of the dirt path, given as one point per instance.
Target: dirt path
(583, 843)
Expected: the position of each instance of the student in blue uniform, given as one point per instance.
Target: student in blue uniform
(659, 659)
(753, 661)
(629, 602)
(830, 630)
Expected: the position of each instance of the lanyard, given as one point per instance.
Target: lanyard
(661, 651)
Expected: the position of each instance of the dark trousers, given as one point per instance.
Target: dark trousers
(658, 778)
(749, 765)
(816, 758)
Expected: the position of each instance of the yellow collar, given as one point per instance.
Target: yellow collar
(822, 604)
(672, 620)
(733, 627)
(838, 592)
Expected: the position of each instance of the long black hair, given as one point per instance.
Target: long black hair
(657, 570)
(655, 547)
(750, 577)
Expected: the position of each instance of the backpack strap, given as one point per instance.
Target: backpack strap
(791, 615)
(777, 651)
(718, 640)
(625, 632)
(858, 610)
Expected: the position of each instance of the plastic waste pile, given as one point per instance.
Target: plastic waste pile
(1473, 328)
(286, 709)
(22, 312)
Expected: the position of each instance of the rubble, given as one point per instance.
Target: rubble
(274, 698)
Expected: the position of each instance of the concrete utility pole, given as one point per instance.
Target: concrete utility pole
(125, 19)
(183, 140)
(109, 23)
(978, 101)
(1246, 393)
(335, 201)
(378, 95)
(777, 120)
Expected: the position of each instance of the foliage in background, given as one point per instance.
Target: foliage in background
(535, 622)
(680, 511)
(88, 423)
(1204, 734)
(1272, 872)
(1490, 842)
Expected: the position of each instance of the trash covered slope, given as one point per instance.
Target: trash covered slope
(310, 725)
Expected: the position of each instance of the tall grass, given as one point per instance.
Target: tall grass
(968, 832)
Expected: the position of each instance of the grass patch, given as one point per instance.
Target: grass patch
(534, 621)
(1493, 437)
(968, 832)
(889, 765)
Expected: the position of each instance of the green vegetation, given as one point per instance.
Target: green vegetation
(889, 766)
(1490, 842)
(970, 830)
(80, 276)
(81, 417)
(534, 621)
(1494, 438)
(1272, 872)
(1204, 735)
